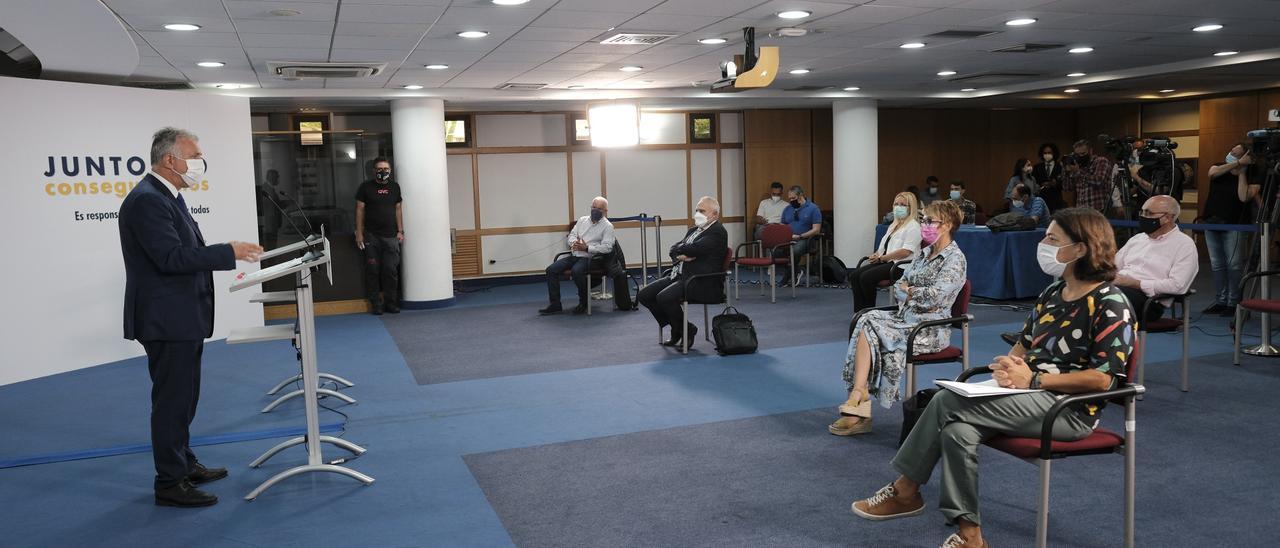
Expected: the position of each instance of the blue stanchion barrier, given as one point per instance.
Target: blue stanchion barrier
(1194, 226)
(633, 218)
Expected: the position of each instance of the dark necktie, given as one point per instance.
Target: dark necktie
(186, 213)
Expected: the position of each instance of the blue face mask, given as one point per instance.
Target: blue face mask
(596, 214)
(1018, 204)
(1231, 158)
(899, 212)
(955, 194)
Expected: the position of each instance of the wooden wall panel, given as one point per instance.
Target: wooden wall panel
(1266, 102)
(778, 148)
(466, 261)
(1224, 122)
(1113, 120)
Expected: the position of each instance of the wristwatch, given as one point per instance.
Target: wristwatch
(1035, 380)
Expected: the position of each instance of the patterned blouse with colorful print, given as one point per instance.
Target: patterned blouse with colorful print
(1095, 331)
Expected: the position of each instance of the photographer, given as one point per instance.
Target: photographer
(1088, 175)
(1229, 191)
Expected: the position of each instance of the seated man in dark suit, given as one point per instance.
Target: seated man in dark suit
(701, 251)
(168, 306)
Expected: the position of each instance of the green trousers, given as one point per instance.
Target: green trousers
(952, 427)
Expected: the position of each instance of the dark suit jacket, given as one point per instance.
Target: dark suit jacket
(168, 289)
(1052, 196)
(708, 252)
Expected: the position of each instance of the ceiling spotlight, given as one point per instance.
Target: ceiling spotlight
(712, 41)
(1071, 90)
(435, 66)
(969, 89)
(211, 64)
(412, 86)
(947, 73)
(631, 68)
(800, 71)
(577, 86)
(1085, 49)
(1168, 90)
(1208, 28)
(794, 14)
(1225, 53)
(912, 45)
(510, 2)
(473, 33)
(230, 86)
(182, 26)
(852, 88)
(1020, 22)
(1075, 75)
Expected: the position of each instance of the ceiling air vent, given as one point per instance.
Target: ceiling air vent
(963, 34)
(1027, 48)
(638, 38)
(996, 78)
(156, 84)
(325, 70)
(522, 87)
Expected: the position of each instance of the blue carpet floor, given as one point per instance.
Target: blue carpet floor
(443, 453)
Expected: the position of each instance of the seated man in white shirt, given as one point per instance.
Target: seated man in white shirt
(590, 240)
(1160, 261)
(770, 209)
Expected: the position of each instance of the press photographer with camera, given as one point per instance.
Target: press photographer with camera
(1089, 176)
(1229, 191)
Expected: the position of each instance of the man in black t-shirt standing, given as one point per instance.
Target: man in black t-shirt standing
(379, 232)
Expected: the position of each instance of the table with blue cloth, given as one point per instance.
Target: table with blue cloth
(1002, 265)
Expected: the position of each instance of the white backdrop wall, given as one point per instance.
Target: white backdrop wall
(525, 197)
(64, 286)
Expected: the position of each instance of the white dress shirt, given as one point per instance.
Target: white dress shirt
(599, 236)
(906, 237)
(172, 189)
(771, 210)
(1163, 265)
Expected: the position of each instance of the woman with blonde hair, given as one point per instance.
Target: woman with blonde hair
(900, 242)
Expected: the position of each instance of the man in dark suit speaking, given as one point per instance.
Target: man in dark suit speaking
(701, 251)
(168, 306)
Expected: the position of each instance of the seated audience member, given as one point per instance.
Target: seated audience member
(967, 208)
(1021, 175)
(930, 192)
(591, 241)
(1161, 260)
(806, 222)
(1048, 174)
(1077, 339)
(1025, 202)
(701, 251)
(770, 209)
(900, 242)
(876, 359)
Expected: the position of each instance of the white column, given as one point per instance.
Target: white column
(417, 127)
(855, 146)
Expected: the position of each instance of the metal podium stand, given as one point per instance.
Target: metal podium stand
(302, 269)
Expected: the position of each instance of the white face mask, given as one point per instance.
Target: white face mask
(195, 171)
(700, 219)
(1018, 204)
(1048, 157)
(1047, 256)
(776, 199)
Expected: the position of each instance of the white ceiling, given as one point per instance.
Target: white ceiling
(555, 42)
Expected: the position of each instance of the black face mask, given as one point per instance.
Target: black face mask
(795, 204)
(596, 214)
(382, 175)
(1082, 159)
(1148, 224)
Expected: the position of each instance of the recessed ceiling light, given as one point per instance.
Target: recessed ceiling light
(1075, 75)
(1225, 53)
(969, 89)
(800, 71)
(1168, 90)
(947, 73)
(510, 2)
(285, 13)
(646, 81)
(712, 41)
(435, 66)
(413, 86)
(1071, 90)
(473, 33)
(211, 64)
(1208, 28)
(1084, 49)
(631, 68)
(794, 14)
(852, 88)
(1020, 22)
(230, 86)
(912, 45)
(182, 26)
(577, 86)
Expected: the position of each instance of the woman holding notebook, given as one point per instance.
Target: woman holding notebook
(1077, 339)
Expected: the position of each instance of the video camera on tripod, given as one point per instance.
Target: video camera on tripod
(1158, 168)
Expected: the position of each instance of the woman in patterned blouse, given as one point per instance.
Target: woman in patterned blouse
(1077, 339)
(877, 351)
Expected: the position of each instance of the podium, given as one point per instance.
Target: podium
(302, 268)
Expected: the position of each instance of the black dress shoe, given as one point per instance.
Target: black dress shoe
(580, 309)
(377, 310)
(693, 334)
(184, 495)
(553, 309)
(201, 475)
(1217, 308)
(392, 309)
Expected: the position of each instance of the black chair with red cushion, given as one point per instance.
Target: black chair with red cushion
(1168, 325)
(774, 237)
(1263, 306)
(960, 317)
(1043, 450)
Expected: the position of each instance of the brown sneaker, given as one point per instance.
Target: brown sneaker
(886, 504)
(956, 541)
